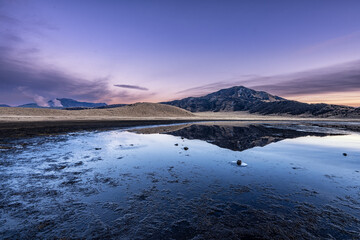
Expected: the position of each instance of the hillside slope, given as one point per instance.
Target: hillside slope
(142, 110)
(132, 110)
(240, 98)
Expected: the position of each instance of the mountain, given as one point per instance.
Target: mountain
(30, 105)
(240, 98)
(71, 103)
(4, 105)
(111, 106)
(60, 103)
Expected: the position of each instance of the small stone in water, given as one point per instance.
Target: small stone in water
(241, 163)
(97, 148)
(345, 154)
(186, 148)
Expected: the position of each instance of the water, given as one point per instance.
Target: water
(183, 183)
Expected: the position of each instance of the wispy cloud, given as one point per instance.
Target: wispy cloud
(331, 42)
(131, 87)
(21, 80)
(339, 78)
(24, 79)
(8, 19)
(211, 87)
(39, 100)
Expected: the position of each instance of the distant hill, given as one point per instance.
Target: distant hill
(30, 105)
(240, 98)
(112, 106)
(60, 103)
(71, 103)
(4, 105)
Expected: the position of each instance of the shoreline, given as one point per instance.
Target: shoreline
(24, 129)
(38, 128)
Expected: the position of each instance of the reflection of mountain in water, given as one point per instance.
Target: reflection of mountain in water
(240, 138)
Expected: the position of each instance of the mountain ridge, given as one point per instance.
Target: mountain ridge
(240, 98)
(60, 103)
(69, 103)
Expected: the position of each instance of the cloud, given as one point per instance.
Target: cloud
(57, 103)
(338, 78)
(243, 80)
(205, 88)
(22, 81)
(131, 87)
(39, 100)
(330, 42)
(8, 19)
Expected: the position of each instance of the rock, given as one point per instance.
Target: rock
(186, 148)
(97, 148)
(176, 144)
(241, 163)
(344, 154)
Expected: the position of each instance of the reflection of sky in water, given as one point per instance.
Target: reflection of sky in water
(348, 141)
(151, 176)
(312, 162)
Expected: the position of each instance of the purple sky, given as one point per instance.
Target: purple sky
(128, 51)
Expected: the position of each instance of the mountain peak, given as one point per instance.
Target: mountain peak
(246, 94)
(237, 98)
(240, 98)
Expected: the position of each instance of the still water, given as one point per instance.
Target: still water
(183, 182)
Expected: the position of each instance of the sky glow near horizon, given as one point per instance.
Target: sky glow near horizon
(130, 51)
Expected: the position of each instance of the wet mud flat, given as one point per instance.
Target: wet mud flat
(39, 128)
(43, 128)
(182, 184)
